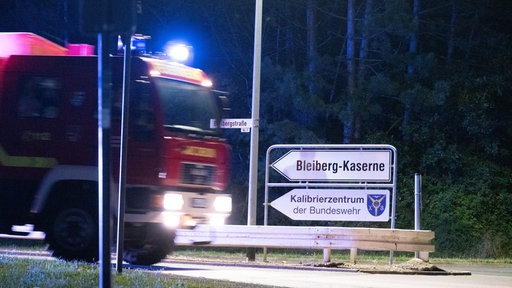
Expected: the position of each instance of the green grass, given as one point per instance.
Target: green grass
(33, 272)
(21, 244)
(25, 272)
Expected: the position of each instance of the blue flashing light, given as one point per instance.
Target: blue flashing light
(179, 52)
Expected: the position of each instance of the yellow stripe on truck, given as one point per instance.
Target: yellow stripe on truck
(199, 151)
(25, 161)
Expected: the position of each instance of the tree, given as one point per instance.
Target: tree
(348, 117)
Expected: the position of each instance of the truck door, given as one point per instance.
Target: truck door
(34, 123)
(143, 141)
(29, 116)
(144, 146)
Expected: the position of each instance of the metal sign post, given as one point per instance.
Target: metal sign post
(104, 77)
(253, 158)
(123, 152)
(417, 204)
(253, 167)
(105, 18)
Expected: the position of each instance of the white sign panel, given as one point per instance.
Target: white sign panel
(335, 165)
(335, 205)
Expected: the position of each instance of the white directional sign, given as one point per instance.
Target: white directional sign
(335, 205)
(335, 165)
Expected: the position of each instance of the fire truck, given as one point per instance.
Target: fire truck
(177, 164)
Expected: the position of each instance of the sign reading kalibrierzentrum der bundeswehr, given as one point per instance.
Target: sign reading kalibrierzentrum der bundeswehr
(334, 204)
(335, 165)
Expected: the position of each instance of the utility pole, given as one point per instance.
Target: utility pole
(253, 158)
(253, 168)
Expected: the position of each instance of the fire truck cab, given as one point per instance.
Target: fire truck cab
(177, 165)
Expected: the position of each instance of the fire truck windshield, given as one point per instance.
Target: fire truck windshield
(187, 107)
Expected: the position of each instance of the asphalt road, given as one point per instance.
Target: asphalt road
(481, 276)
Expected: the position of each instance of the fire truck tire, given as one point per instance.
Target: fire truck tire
(72, 234)
(151, 248)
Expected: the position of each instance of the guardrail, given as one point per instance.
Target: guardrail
(327, 238)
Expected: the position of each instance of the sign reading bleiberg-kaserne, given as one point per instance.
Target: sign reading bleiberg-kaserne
(334, 205)
(335, 165)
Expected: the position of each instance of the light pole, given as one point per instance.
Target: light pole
(253, 158)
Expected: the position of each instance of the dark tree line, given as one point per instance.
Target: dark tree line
(431, 78)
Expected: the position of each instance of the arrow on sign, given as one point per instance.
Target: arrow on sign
(334, 205)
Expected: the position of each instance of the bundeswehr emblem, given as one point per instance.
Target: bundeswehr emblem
(376, 204)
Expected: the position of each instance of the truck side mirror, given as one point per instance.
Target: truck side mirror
(223, 102)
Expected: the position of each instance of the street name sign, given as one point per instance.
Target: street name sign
(244, 124)
(335, 205)
(335, 165)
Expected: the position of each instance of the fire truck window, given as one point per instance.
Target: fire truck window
(186, 105)
(39, 98)
(142, 113)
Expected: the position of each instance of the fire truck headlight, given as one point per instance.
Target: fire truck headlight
(222, 204)
(217, 220)
(172, 221)
(173, 201)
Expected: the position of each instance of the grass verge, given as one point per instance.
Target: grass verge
(25, 272)
(34, 272)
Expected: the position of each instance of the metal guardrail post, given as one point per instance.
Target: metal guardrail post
(417, 204)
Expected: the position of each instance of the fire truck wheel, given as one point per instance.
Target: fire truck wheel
(151, 248)
(73, 234)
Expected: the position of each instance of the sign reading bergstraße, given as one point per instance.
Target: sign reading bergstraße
(334, 205)
(335, 165)
(232, 123)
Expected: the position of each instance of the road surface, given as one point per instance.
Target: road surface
(481, 276)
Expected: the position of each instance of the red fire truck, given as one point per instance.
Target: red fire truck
(177, 165)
